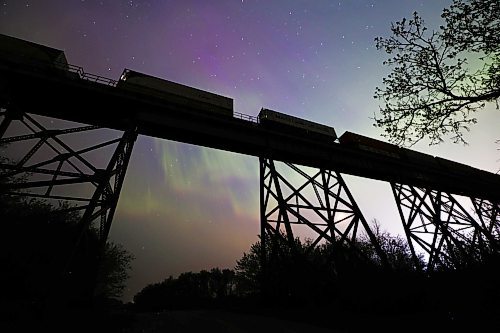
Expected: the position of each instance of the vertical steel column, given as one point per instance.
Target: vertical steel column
(315, 201)
(263, 235)
(439, 227)
(103, 203)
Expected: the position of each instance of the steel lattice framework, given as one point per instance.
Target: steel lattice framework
(75, 179)
(488, 214)
(319, 200)
(437, 224)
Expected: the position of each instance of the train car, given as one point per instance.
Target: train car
(369, 144)
(276, 120)
(425, 161)
(175, 93)
(458, 168)
(14, 51)
(421, 159)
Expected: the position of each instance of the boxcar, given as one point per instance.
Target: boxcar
(175, 93)
(19, 52)
(421, 159)
(369, 144)
(458, 168)
(279, 121)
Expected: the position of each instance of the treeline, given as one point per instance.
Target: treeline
(189, 290)
(349, 280)
(289, 275)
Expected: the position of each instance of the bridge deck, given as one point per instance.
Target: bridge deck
(99, 103)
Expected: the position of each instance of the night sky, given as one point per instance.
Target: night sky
(186, 208)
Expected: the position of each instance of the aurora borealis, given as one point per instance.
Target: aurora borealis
(187, 208)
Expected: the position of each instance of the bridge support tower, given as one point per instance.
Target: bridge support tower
(312, 202)
(65, 166)
(438, 226)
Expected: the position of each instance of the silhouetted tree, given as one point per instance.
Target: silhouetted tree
(328, 274)
(35, 242)
(249, 271)
(282, 278)
(221, 282)
(113, 271)
(395, 248)
(441, 77)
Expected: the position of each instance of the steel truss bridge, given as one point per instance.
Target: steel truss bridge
(430, 200)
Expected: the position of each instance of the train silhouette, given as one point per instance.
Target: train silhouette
(36, 58)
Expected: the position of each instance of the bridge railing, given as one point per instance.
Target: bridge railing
(38, 65)
(246, 117)
(89, 76)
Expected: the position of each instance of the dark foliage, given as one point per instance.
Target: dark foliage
(333, 275)
(289, 276)
(188, 291)
(45, 279)
(304, 283)
(35, 242)
(113, 271)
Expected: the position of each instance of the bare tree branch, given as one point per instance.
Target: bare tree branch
(433, 90)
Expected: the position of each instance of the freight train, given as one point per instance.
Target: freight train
(388, 150)
(274, 120)
(175, 93)
(36, 58)
(421, 160)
